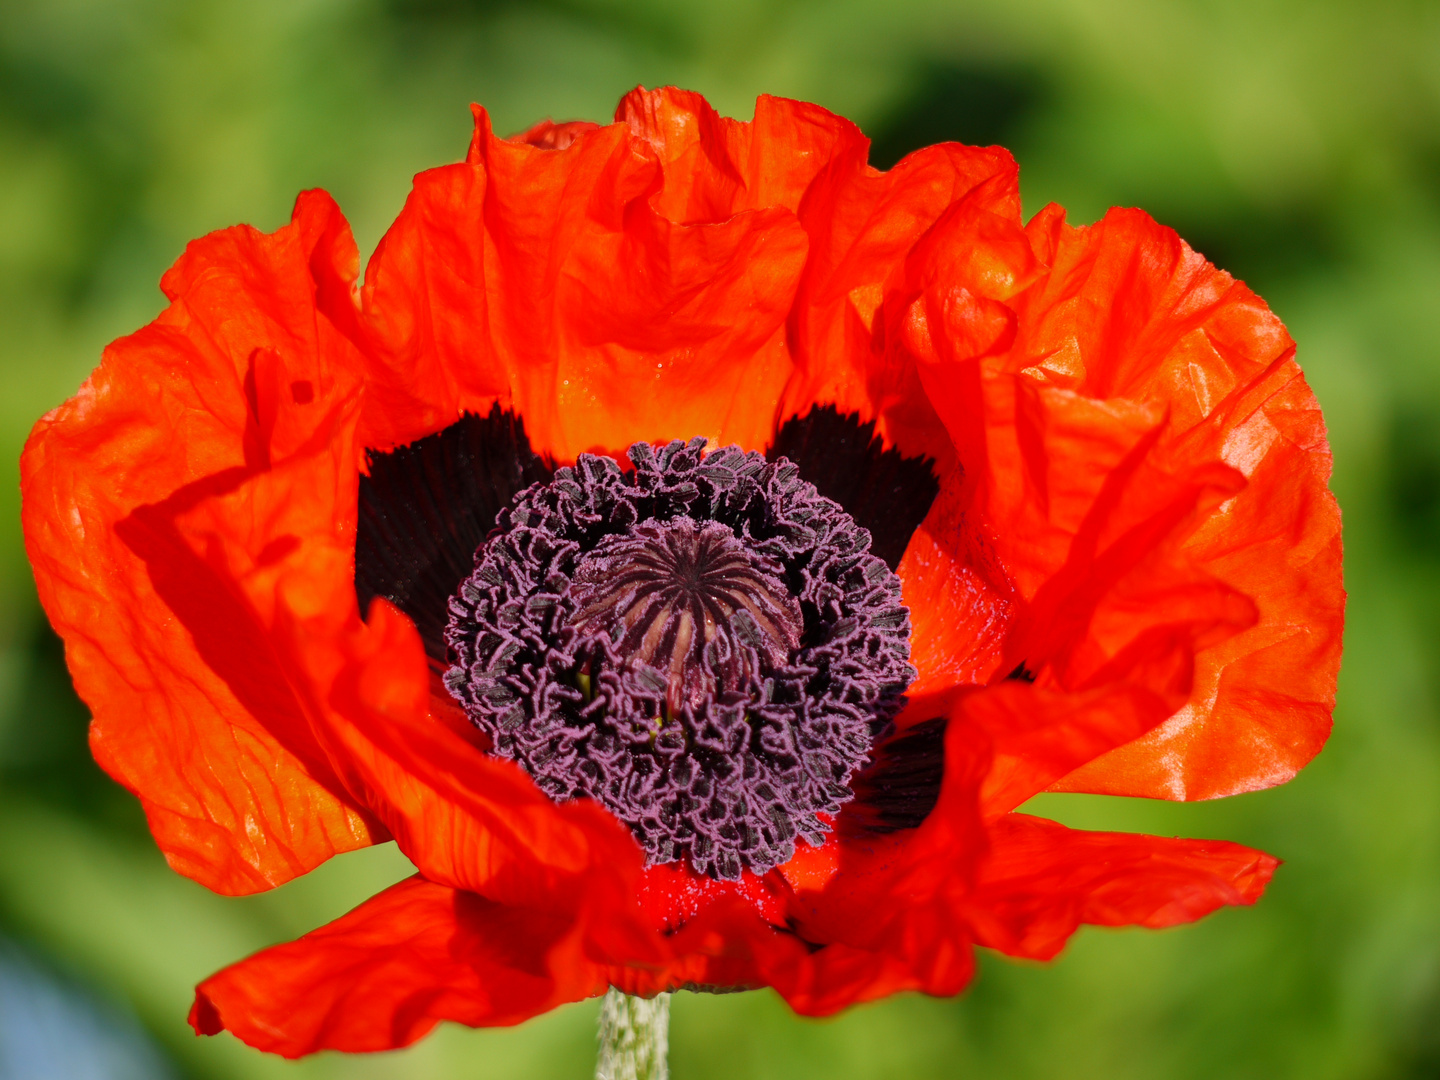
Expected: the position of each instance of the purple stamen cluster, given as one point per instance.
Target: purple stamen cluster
(704, 645)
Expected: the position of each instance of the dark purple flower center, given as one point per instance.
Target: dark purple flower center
(706, 646)
(665, 591)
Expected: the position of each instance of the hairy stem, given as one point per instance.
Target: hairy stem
(634, 1038)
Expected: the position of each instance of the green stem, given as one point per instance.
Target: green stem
(634, 1038)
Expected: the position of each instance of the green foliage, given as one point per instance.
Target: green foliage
(1295, 144)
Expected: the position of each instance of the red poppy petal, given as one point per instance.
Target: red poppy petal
(728, 946)
(1003, 743)
(1129, 309)
(863, 226)
(823, 934)
(928, 950)
(716, 167)
(1087, 522)
(961, 600)
(190, 710)
(896, 894)
(860, 278)
(1037, 734)
(549, 135)
(863, 917)
(878, 240)
(926, 955)
(1040, 881)
(385, 974)
(281, 541)
(1262, 700)
(465, 819)
(548, 280)
(822, 981)
(1145, 463)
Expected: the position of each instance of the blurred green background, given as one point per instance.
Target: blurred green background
(1297, 144)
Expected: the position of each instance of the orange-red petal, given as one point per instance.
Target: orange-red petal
(572, 285)
(1040, 881)
(282, 543)
(1262, 701)
(465, 819)
(1144, 488)
(192, 710)
(861, 277)
(1134, 312)
(279, 545)
(389, 971)
(728, 945)
(385, 974)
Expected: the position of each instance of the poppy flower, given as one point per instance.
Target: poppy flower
(692, 546)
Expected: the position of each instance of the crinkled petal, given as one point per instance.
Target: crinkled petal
(961, 600)
(894, 896)
(863, 226)
(553, 281)
(715, 167)
(385, 974)
(1262, 700)
(389, 971)
(464, 818)
(1144, 489)
(1040, 881)
(192, 710)
(1037, 734)
(1129, 310)
(909, 893)
(729, 947)
(1070, 532)
(280, 546)
(860, 279)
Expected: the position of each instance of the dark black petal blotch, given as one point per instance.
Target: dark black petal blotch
(886, 492)
(425, 508)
